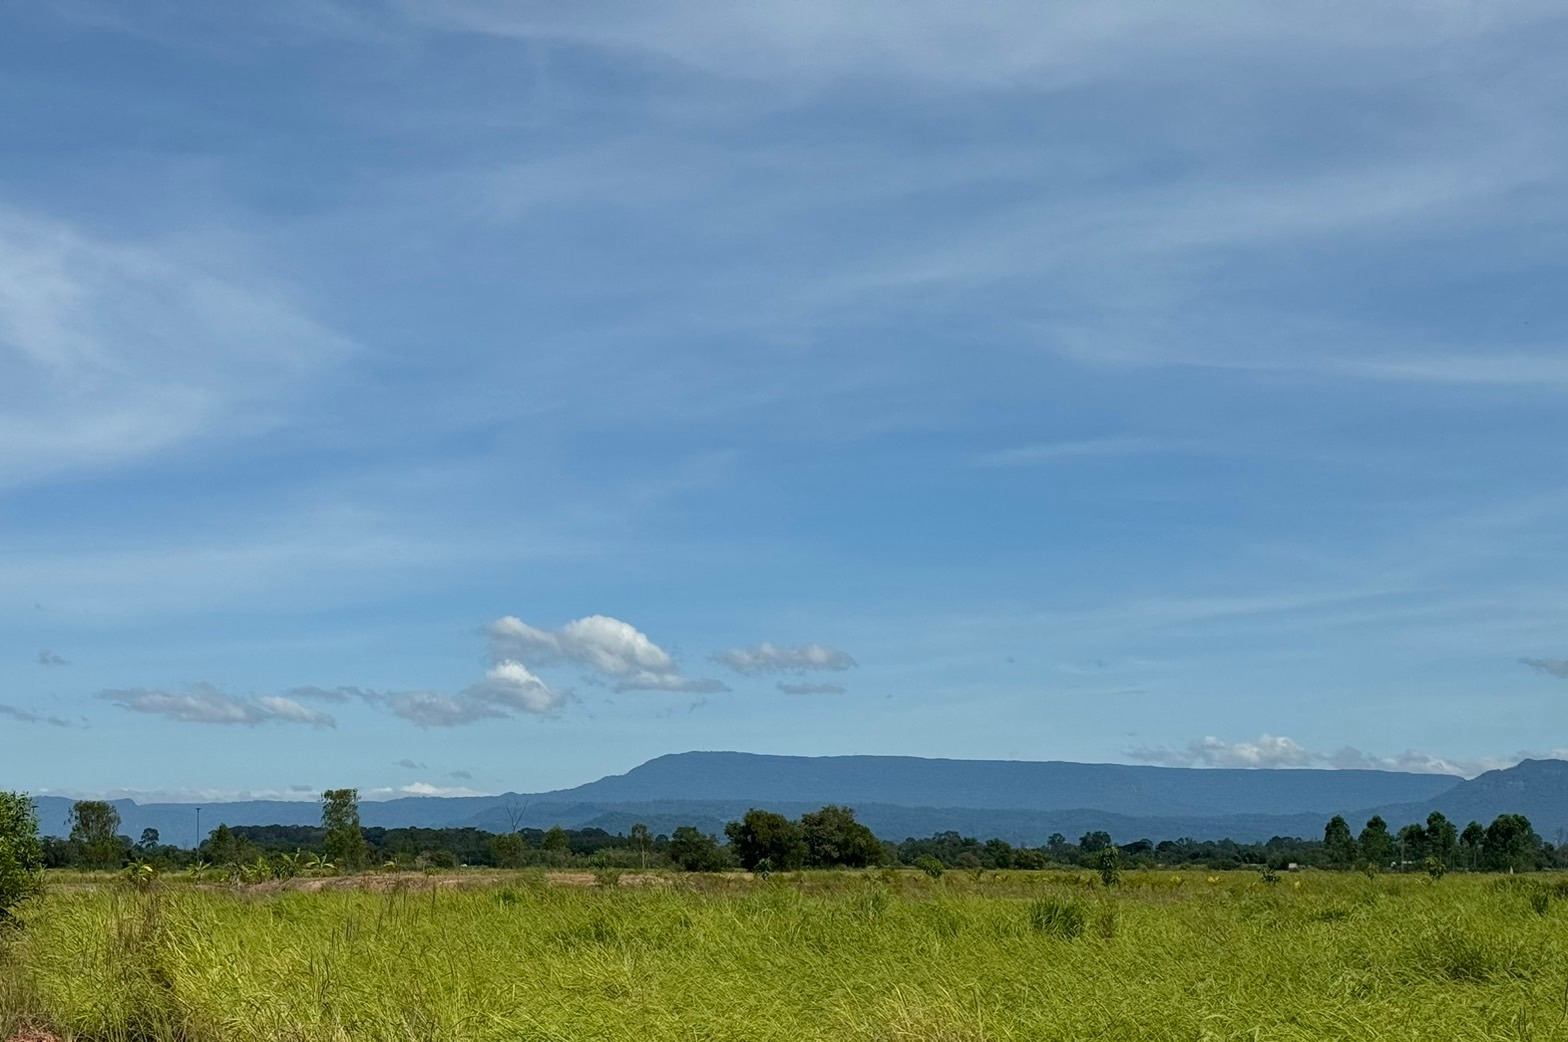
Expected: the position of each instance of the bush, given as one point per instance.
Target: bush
(21, 855)
(930, 866)
(1059, 918)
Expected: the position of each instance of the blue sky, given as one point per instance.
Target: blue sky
(475, 396)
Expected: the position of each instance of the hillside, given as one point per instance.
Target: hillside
(1022, 801)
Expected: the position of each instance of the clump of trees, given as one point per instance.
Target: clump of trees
(826, 838)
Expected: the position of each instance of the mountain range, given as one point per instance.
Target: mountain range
(897, 796)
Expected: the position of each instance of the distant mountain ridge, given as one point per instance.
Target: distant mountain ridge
(1019, 800)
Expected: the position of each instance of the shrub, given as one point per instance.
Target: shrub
(1059, 918)
(931, 866)
(21, 855)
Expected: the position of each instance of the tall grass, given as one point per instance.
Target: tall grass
(891, 956)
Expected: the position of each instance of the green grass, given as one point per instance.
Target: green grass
(881, 956)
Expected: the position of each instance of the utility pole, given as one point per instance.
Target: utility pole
(197, 845)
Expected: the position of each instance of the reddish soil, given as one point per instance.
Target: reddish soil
(33, 1036)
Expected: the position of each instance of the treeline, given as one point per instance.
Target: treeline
(765, 841)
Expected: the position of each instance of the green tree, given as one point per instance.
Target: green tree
(345, 840)
(1412, 844)
(1094, 842)
(1442, 838)
(834, 837)
(509, 850)
(696, 851)
(557, 843)
(763, 838)
(21, 853)
(1339, 846)
(1470, 842)
(1108, 862)
(94, 828)
(1375, 843)
(1510, 843)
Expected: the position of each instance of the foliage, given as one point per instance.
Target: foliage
(1059, 917)
(833, 837)
(94, 824)
(1339, 846)
(345, 841)
(1109, 864)
(763, 837)
(21, 854)
(1510, 843)
(1375, 844)
(931, 866)
(696, 851)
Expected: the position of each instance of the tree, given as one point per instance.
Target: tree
(508, 850)
(1412, 845)
(834, 837)
(696, 851)
(21, 854)
(1375, 842)
(1339, 846)
(1442, 838)
(1094, 842)
(1470, 841)
(1108, 862)
(345, 840)
(641, 841)
(557, 842)
(148, 844)
(94, 825)
(1510, 843)
(763, 839)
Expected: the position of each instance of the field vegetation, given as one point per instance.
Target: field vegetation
(878, 954)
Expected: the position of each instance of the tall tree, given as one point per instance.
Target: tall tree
(1442, 838)
(1375, 843)
(94, 828)
(1510, 843)
(696, 851)
(1338, 844)
(763, 839)
(21, 853)
(345, 840)
(834, 837)
(1412, 845)
(1470, 841)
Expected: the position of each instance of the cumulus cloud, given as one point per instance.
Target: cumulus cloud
(771, 658)
(206, 704)
(810, 689)
(597, 642)
(23, 716)
(608, 648)
(1272, 751)
(49, 658)
(505, 689)
(1557, 667)
(426, 789)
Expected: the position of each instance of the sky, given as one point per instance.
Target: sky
(471, 396)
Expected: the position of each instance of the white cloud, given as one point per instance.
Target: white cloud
(810, 689)
(506, 688)
(206, 704)
(1276, 751)
(426, 789)
(429, 709)
(598, 642)
(770, 658)
(510, 685)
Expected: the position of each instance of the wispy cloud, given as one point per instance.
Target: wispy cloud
(205, 704)
(24, 716)
(810, 689)
(773, 658)
(49, 658)
(1557, 667)
(1068, 451)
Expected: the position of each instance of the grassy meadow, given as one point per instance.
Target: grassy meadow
(876, 956)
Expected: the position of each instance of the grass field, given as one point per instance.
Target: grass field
(884, 956)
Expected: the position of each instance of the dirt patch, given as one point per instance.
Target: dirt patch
(33, 1036)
